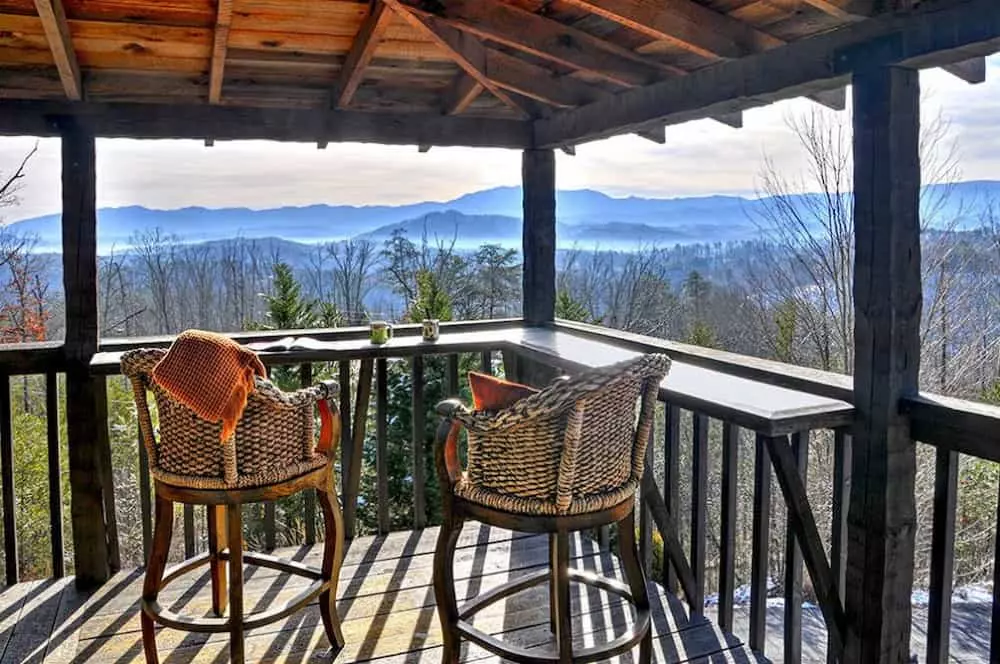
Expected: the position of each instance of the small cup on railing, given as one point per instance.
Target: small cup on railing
(430, 329)
(379, 332)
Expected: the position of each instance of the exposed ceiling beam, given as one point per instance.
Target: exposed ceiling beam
(933, 35)
(228, 123)
(499, 72)
(835, 99)
(846, 10)
(569, 149)
(424, 148)
(551, 40)
(465, 49)
(56, 28)
(657, 134)
(972, 70)
(734, 120)
(220, 45)
(686, 24)
(460, 94)
(361, 54)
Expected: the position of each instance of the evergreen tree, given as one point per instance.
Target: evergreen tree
(569, 309)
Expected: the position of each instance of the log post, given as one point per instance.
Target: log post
(86, 419)
(538, 174)
(888, 302)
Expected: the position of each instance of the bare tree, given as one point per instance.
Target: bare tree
(353, 268)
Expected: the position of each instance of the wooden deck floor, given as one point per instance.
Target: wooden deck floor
(385, 598)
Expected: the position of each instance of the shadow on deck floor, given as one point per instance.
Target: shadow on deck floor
(385, 599)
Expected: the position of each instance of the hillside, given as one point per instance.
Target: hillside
(585, 217)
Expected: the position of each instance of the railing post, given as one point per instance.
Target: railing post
(888, 303)
(87, 427)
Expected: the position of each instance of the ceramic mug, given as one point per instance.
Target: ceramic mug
(431, 329)
(379, 332)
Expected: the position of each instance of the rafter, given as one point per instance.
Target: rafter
(972, 70)
(220, 45)
(835, 99)
(551, 40)
(734, 120)
(361, 54)
(933, 35)
(685, 23)
(460, 94)
(467, 51)
(847, 10)
(56, 28)
(656, 134)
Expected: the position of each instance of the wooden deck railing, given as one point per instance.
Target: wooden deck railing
(725, 422)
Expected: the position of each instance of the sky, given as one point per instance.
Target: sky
(699, 158)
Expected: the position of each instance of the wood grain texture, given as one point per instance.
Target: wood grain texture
(932, 35)
(888, 304)
(361, 54)
(53, 455)
(942, 556)
(220, 47)
(10, 549)
(53, 18)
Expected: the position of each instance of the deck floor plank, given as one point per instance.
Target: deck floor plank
(385, 597)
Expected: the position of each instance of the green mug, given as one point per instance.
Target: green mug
(379, 332)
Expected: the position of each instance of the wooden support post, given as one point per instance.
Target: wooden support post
(538, 173)
(86, 430)
(888, 303)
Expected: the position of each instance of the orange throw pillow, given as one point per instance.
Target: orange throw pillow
(490, 393)
(211, 374)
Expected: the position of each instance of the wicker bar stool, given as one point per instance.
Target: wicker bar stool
(273, 454)
(565, 459)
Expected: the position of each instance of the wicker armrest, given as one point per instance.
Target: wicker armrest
(272, 396)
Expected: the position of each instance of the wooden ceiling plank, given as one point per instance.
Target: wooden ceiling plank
(551, 40)
(972, 70)
(467, 51)
(361, 54)
(538, 83)
(845, 10)
(685, 23)
(220, 45)
(53, 17)
(932, 35)
(460, 94)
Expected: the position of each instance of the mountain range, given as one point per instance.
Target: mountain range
(585, 218)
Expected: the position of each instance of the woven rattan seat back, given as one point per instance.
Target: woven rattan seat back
(575, 447)
(274, 439)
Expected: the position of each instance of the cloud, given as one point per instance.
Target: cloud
(699, 158)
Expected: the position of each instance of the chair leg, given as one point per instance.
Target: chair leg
(444, 587)
(559, 555)
(333, 558)
(163, 529)
(629, 553)
(217, 537)
(235, 528)
(553, 547)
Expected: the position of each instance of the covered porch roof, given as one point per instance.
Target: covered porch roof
(517, 73)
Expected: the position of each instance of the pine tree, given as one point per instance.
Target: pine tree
(286, 308)
(569, 309)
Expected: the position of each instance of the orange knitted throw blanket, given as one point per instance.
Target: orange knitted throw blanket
(210, 374)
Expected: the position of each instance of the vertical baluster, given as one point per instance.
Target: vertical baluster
(486, 362)
(309, 499)
(189, 548)
(793, 564)
(838, 522)
(942, 556)
(55, 474)
(419, 418)
(699, 521)
(358, 431)
(510, 369)
(671, 476)
(100, 387)
(145, 499)
(761, 533)
(727, 543)
(7, 470)
(382, 443)
(646, 519)
(452, 378)
(344, 368)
